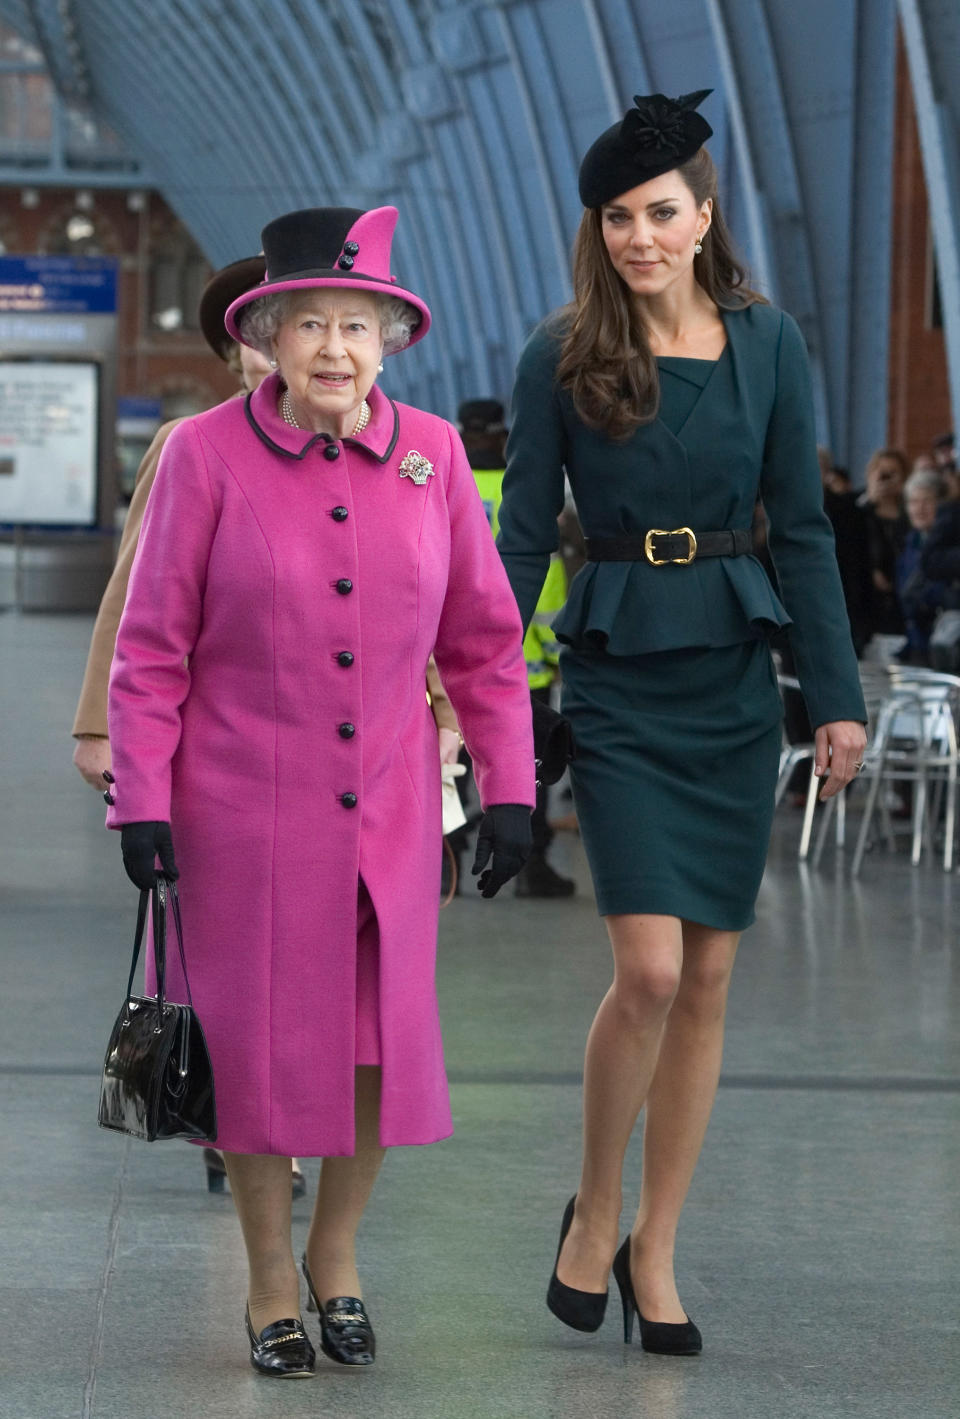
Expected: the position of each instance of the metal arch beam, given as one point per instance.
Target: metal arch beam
(523, 78)
(871, 232)
(421, 212)
(424, 216)
(779, 220)
(179, 76)
(931, 32)
(489, 146)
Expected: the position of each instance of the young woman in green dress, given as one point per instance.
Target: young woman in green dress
(672, 396)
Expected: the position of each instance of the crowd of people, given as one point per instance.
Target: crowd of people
(898, 546)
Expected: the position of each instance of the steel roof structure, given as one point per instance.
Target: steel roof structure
(471, 116)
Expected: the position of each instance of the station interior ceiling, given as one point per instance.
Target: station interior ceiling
(471, 117)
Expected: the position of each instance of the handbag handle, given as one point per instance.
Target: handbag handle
(157, 896)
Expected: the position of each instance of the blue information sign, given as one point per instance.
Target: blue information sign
(58, 285)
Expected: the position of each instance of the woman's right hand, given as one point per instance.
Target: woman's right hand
(92, 758)
(140, 844)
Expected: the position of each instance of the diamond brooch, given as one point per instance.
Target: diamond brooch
(416, 467)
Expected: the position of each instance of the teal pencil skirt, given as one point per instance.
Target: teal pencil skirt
(674, 777)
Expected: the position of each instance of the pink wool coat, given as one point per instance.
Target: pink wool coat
(267, 698)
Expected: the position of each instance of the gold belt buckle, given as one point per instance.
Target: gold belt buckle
(664, 532)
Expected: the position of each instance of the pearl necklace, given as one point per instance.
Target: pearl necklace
(286, 410)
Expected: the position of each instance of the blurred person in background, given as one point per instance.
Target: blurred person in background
(92, 750)
(840, 505)
(91, 754)
(885, 527)
(944, 449)
(920, 598)
(481, 423)
(304, 551)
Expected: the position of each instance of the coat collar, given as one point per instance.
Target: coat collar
(379, 438)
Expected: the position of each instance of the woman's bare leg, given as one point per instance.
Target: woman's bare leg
(678, 1108)
(260, 1186)
(345, 1188)
(622, 1050)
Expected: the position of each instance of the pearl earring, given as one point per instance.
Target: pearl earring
(273, 364)
(379, 369)
(698, 246)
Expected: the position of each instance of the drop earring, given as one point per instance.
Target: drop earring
(273, 364)
(379, 369)
(698, 246)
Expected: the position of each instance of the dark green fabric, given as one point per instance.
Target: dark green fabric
(681, 384)
(748, 430)
(677, 754)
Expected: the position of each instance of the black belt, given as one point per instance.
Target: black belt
(680, 546)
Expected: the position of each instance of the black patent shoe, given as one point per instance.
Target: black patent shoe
(281, 1350)
(346, 1334)
(659, 1337)
(582, 1310)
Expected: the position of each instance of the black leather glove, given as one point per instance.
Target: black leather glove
(140, 843)
(506, 836)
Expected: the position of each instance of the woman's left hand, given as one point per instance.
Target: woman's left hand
(504, 841)
(839, 749)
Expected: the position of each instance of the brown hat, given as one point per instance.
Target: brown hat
(221, 291)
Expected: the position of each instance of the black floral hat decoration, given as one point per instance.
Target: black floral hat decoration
(655, 136)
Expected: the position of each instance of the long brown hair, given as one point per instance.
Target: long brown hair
(605, 360)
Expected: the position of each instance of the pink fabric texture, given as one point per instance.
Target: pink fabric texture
(227, 698)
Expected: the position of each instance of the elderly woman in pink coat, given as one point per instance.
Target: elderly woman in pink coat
(303, 552)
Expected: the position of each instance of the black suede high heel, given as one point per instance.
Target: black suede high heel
(281, 1350)
(346, 1334)
(216, 1169)
(659, 1337)
(581, 1310)
(217, 1173)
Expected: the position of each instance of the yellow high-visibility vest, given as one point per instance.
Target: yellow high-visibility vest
(540, 648)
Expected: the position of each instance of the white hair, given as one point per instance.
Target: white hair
(261, 319)
(924, 480)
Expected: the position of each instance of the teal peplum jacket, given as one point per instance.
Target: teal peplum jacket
(747, 430)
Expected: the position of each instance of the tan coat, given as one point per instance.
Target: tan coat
(91, 715)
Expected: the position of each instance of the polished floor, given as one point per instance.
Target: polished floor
(820, 1251)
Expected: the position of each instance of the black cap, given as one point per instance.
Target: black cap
(655, 136)
(480, 415)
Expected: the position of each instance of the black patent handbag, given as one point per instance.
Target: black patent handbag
(157, 1077)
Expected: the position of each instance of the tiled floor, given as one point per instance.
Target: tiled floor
(820, 1251)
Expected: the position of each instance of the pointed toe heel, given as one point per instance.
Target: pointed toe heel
(282, 1350)
(581, 1310)
(657, 1337)
(346, 1332)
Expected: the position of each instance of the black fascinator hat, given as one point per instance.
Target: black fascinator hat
(655, 136)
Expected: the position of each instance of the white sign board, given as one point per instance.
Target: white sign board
(48, 442)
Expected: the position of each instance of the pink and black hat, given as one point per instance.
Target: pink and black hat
(330, 246)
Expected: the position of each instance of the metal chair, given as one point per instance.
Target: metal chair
(916, 741)
(875, 682)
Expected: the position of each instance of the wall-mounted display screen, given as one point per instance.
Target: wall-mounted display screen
(48, 442)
